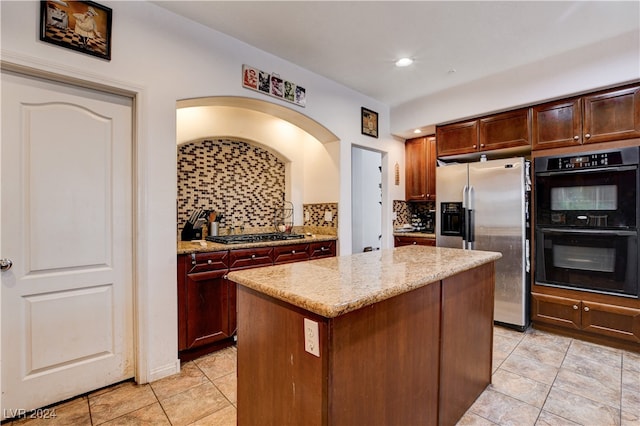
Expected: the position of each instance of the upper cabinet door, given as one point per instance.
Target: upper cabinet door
(505, 130)
(416, 169)
(457, 138)
(431, 168)
(420, 169)
(557, 124)
(612, 115)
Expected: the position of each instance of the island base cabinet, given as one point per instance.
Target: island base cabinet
(416, 358)
(279, 383)
(466, 339)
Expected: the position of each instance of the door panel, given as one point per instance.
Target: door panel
(498, 202)
(66, 200)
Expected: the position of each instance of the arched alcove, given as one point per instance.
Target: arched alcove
(309, 151)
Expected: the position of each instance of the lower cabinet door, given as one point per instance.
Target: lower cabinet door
(209, 300)
(556, 310)
(613, 321)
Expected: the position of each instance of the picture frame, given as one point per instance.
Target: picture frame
(369, 120)
(83, 26)
(273, 85)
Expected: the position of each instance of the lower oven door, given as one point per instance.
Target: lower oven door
(590, 260)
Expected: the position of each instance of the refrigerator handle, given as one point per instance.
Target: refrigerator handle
(471, 238)
(464, 226)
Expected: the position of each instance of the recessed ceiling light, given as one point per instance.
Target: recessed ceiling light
(417, 131)
(404, 62)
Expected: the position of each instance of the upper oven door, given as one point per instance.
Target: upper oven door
(604, 198)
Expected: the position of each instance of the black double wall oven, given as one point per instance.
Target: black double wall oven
(586, 221)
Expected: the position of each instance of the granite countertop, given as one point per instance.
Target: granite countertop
(429, 235)
(334, 286)
(203, 246)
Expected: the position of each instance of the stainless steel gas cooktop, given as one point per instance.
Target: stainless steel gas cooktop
(254, 238)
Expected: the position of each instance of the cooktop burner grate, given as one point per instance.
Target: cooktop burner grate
(253, 238)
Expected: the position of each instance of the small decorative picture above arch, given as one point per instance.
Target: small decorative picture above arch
(273, 85)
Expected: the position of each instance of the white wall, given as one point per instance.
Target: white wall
(165, 58)
(591, 67)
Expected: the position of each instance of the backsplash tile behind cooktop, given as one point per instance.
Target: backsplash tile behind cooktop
(237, 179)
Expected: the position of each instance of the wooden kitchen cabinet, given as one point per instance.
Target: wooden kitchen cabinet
(420, 169)
(612, 321)
(204, 302)
(207, 313)
(250, 258)
(603, 116)
(457, 138)
(322, 249)
(290, 253)
(511, 129)
(407, 241)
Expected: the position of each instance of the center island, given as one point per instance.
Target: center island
(393, 337)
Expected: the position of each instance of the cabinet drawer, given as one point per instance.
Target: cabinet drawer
(407, 241)
(249, 258)
(322, 249)
(292, 253)
(210, 261)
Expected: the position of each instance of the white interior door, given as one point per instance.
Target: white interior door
(67, 302)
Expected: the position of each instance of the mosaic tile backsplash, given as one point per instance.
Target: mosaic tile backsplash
(317, 216)
(245, 183)
(404, 210)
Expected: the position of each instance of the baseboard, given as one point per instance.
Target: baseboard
(164, 371)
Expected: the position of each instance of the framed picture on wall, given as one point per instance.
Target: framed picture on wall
(84, 26)
(369, 122)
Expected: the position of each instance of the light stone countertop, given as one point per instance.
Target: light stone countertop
(203, 246)
(429, 235)
(334, 286)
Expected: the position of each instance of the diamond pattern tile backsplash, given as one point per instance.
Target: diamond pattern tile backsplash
(244, 182)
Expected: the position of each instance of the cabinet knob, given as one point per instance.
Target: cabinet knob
(576, 138)
(481, 145)
(253, 256)
(209, 261)
(587, 136)
(323, 249)
(586, 309)
(575, 307)
(421, 195)
(414, 243)
(293, 252)
(475, 146)
(225, 276)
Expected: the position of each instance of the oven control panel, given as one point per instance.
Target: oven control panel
(600, 159)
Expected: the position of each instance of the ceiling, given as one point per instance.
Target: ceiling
(452, 43)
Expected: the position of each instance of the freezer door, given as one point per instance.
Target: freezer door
(497, 201)
(450, 183)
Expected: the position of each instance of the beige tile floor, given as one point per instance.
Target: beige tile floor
(538, 379)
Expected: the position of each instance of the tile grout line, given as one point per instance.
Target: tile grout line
(160, 403)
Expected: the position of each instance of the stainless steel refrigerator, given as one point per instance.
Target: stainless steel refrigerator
(485, 206)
